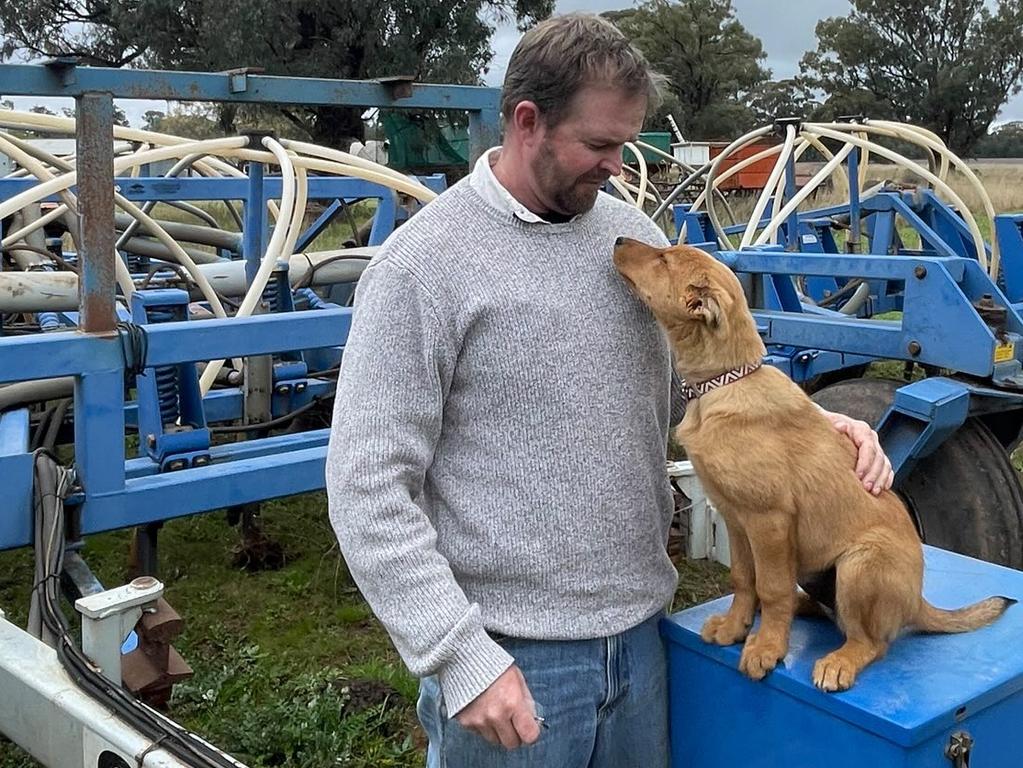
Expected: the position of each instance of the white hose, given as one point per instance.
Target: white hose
(904, 161)
(643, 174)
(772, 181)
(36, 168)
(359, 168)
(273, 251)
(817, 179)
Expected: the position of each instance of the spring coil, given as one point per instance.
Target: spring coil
(167, 389)
(167, 393)
(271, 296)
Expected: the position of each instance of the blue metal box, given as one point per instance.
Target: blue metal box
(901, 713)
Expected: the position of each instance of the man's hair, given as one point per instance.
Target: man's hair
(558, 57)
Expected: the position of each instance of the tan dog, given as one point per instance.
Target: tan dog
(783, 479)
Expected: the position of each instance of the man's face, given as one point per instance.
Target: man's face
(575, 157)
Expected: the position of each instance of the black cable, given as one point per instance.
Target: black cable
(307, 278)
(59, 260)
(134, 347)
(41, 426)
(273, 423)
(56, 422)
(50, 491)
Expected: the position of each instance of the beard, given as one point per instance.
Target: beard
(569, 195)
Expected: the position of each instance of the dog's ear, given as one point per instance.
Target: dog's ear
(702, 305)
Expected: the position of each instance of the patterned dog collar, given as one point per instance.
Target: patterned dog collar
(691, 392)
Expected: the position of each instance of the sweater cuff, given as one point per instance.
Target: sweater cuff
(472, 668)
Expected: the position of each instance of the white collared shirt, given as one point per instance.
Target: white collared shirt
(493, 191)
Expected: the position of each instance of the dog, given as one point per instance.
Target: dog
(784, 481)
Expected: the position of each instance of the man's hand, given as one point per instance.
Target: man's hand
(504, 713)
(872, 466)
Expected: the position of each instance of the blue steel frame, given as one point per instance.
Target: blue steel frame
(115, 492)
(934, 287)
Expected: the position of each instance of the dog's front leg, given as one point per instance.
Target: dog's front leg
(772, 540)
(733, 626)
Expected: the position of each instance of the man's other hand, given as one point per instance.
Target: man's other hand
(504, 713)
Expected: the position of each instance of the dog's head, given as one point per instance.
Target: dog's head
(698, 301)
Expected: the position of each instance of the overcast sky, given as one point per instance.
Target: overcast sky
(785, 33)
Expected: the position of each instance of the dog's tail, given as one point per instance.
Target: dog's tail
(966, 619)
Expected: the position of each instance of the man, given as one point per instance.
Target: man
(496, 466)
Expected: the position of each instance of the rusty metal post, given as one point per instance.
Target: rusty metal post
(95, 164)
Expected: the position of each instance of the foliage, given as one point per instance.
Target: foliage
(782, 98)
(1004, 141)
(946, 64)
(431, 40)
(713, 63)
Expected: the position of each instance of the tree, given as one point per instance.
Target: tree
(431, 40)
(1004, 141)
(782, 98)
(712, 62)
(946, 64)
(119, 117)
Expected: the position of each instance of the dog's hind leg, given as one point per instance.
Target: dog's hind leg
(733, 626)
(875, 596)
(772, 541)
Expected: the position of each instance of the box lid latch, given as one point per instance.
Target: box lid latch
(958, 750)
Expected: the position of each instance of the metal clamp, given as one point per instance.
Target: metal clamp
(958, 750)
(109, 616)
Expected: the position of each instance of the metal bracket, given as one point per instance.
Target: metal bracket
(237, 79)
(64, 67)
(109, 616)
(398, 86)
(958, 750)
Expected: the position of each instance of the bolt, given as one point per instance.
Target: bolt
(914, 348)
(151, 441)
(282, 389)
(200, 461)
(143, 582)
(920, 271)
(300, 387)
(177, 464)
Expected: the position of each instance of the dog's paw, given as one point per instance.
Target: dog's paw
(722, 629)
(834, 672)
(760, 656)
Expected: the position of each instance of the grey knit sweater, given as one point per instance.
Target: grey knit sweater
(497, 454)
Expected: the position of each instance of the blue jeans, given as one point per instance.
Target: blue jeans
(605, 703)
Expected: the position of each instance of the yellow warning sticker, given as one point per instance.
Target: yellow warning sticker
(1004, 351)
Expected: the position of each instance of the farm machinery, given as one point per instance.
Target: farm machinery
(105, 317)
(209, 361)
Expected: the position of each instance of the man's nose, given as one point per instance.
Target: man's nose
(612, 163)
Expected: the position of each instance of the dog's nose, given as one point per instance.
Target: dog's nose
(619, 241)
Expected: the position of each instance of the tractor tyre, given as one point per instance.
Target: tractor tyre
(966, 496)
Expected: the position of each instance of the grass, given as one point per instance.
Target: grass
(291, 667)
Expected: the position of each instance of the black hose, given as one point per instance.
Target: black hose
(273, 423)
(52, 486)
(56, 422)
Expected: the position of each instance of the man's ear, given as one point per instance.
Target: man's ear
(527, 119)
(703, 306)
